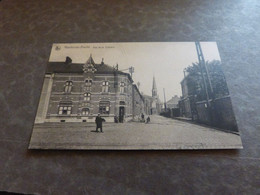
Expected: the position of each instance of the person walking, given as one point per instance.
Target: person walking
(99, 122)
(148, 119)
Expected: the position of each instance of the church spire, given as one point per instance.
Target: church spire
(154, 89)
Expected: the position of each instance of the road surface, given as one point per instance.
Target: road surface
(161, 133)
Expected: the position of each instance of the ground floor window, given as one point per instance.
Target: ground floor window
(65, 108)
(104, 107)
(85, 111)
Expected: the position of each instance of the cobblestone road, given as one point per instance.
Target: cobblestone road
(161, 133)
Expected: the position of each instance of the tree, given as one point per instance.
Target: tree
(195, 83)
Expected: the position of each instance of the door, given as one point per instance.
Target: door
(121, 114)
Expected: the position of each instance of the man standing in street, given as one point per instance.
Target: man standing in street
(99, 121)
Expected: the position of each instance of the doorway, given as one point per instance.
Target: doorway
(121, 114)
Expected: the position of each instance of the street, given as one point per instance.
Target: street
(160, 133)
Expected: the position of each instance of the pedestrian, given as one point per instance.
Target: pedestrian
(116, 119)
(148, 119)
(142, 117)
(99, 121)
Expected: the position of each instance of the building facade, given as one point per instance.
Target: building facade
(78, 92)
(148, 101)
(173, 102)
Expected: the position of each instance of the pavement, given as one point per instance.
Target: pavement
(160, 133)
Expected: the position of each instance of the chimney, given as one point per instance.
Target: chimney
(102, 63)
(68, 60)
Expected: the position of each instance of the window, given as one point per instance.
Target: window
(68, 87)
(122, 87)
(121, 103)
(88, 84)
(87, 96)
(85, 111)
(65, 108)
(104, 107)
(105, 86)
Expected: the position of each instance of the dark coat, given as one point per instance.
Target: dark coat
(99, 121)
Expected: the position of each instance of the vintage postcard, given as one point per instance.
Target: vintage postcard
(135, 96)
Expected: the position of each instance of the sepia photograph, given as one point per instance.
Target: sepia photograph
(135, 96)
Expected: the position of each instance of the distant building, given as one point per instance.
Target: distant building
(75, 92)
(173, 102)
(148, 100)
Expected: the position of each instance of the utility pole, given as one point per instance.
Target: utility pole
(202, 63)
(131, 70)
(165, 107)
(138, 84)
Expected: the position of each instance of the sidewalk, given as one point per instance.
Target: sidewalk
(204, 125)
(183, 118)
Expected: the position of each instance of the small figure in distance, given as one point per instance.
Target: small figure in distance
(142, 117)
(99, 121)
(148, 119)
(116, 119)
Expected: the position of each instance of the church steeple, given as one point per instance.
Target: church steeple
(154, 89)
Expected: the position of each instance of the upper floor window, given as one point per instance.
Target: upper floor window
(88, 82)
(65, 108)
(122, 87)
(105, 86)
(68, 87)
(87, 96)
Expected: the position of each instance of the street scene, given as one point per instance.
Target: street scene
(118, 96)
(160, 133)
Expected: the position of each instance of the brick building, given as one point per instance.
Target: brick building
(74, 92)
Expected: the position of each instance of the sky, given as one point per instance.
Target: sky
(163, 60)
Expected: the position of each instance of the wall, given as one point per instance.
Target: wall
(220, 114)
(44, 99)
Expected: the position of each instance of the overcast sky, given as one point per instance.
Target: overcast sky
(164, 60)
